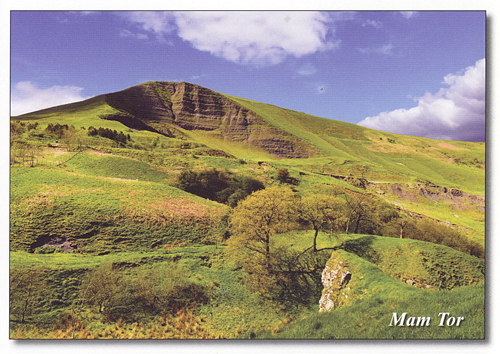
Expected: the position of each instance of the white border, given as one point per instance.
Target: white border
(289, 347)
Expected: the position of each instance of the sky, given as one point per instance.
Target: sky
(408, 72)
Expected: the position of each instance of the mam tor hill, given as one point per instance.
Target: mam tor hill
(190, 112)
(124, 212)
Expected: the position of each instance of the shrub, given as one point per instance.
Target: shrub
(110, 134)
(145, 292)
(283, 175)
(217, 185)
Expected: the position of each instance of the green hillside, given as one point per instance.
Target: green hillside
(123, 214)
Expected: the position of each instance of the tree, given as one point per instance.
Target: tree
(255, 221)
(217, 185)
(402, 222)
(18, 152)
(99, 286)
(27, 286)
(357, 210)
(206, 184)
(283, 175)
(323, 212)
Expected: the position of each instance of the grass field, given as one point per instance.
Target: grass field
(89, 209)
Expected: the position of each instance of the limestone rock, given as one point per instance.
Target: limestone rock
(335, 279)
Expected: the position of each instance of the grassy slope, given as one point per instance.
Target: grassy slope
(347, 149)
(380, 155)
(125, 195)
(101, 212)
(233, 312)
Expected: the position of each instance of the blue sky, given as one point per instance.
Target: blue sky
(416, 73)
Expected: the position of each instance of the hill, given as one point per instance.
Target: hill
(124, 188)
(242, 127)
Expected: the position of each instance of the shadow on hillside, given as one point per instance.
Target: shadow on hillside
(362, 248)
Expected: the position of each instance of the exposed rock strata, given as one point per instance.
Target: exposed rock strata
(413, 192)
(161, 105)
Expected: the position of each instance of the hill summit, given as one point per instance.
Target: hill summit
(164, 107)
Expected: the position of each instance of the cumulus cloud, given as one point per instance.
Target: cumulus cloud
(248, 37)
(455, 112)
(158, 22)
(27, 97)
(255, 37)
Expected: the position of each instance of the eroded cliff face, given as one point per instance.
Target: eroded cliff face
(418, 192)
(165, 105)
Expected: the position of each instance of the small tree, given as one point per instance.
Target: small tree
(283, 175)
(27, 286)
(360, 208)
(255, 221)
(323, 212)
(99, 286)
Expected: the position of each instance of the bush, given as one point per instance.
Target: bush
(110, 134)
(142, 293)
(58, 129)
(234, 198)
(283, 175)
(217, 185)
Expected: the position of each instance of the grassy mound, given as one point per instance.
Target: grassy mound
(372, 296)
(103, 214)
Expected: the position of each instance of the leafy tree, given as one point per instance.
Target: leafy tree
(250, 185)
(100, 286)
(23, 151)
(114, 135)
(145, 291)
(206, 184)
(255, 221)
(360, 209)
(58, 129)
(387, 213)
(431, 231)
(235, 197)
(323, 212)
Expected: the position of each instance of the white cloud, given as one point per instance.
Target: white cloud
(247, 37)
(373, 23)
(408, 14)
(128, 34)
(306, 70)
(255, 37)
(158, 22)
(385, 50)
(27, 97)
(456, 112)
